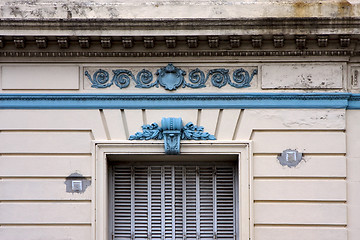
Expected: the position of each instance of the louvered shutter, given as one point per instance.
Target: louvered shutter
(122, 207)
(174, 202)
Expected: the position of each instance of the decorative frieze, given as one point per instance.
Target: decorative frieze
(171, 78)
(208, 48)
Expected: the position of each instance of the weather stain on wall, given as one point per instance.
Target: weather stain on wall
(342, 8)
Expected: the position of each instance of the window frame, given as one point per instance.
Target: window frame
(101, 149)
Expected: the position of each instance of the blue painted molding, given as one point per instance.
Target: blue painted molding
(354, 101)
(172, 131)
(180, 101)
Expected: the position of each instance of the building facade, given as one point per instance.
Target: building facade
(179, 120)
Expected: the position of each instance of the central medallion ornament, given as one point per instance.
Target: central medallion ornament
(170, 77)
(172, 131)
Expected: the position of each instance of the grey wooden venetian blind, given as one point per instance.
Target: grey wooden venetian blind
(174, 202)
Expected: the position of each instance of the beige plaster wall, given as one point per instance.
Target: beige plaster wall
(353, 170)
(315, 200)
(296, 75)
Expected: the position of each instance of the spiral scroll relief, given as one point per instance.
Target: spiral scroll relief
(171, 77)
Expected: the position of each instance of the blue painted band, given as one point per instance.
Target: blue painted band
(180, 101)
(354, 102)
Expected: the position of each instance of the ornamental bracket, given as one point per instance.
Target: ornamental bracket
(172, 131)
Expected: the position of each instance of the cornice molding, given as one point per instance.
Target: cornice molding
(179, 37)
(181, 101)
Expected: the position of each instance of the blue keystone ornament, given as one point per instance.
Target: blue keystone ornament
(172, 131)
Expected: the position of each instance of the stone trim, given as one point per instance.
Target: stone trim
(311, 25)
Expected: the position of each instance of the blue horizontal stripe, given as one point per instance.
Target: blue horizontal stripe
(180, 101)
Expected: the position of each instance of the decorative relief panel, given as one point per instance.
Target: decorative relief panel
(169, 77)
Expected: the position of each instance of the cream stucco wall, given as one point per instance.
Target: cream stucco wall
(316, 199)
(297, 74)
(40, 148)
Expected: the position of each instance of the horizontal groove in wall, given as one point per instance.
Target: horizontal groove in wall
(298, 130)
(46, 154)
(43, 224)
(301, 225)
(40, 178)
(301, 201)
(304, 154)
(68, 201)
(44, 130)
(298, 178)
